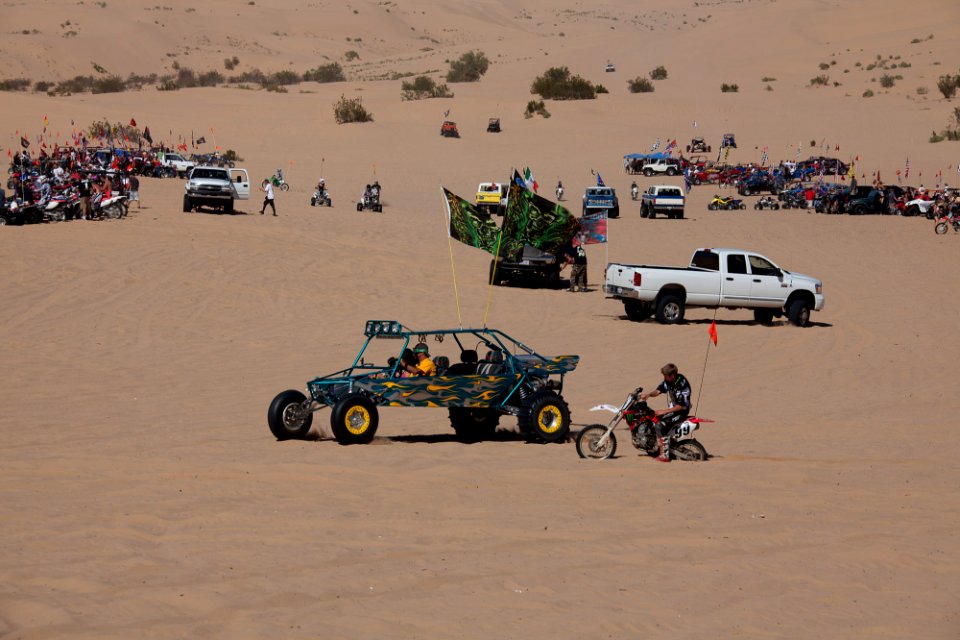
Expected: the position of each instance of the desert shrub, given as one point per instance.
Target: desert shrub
(253, 75)
(820, 81)
(640, 85)
(936, 137)
(948, 85)
(136, 81)
(904, 65)
(868, 93)
(332, 72)
(600, 89)
(350, 56)
(824, 66)
(186, 78)
(536, 107)
(469, 67)
(15, 84)
(43, 86)
(231, 63)
(729, 88)
(768, 88)
(232, 156)
(423, 87)
(887, 81)
(660, 73)
(767, 79)
(210, 79)
(350, 110)
(558, 83)
(110, 84)
(285, 77)
(922, 91)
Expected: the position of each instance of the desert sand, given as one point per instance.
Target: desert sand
(142, 495)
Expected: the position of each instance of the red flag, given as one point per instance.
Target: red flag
(713, 332)
(133, 122)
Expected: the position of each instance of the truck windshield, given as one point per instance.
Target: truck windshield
(706, 260)
(210, 173)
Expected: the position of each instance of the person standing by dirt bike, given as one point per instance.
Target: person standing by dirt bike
(267, 188)
(678, 391)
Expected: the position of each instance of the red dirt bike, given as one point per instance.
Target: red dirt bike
(946, 220)
(598, 442)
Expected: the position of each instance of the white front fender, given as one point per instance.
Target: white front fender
(605, 407)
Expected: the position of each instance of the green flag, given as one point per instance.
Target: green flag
(534, 220)
(470, 226)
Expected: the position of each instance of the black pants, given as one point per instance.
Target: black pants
(671, 420)
(268, 201)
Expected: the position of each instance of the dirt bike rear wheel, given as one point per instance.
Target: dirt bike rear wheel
(587, 443)
(689, 450)
(941, 228)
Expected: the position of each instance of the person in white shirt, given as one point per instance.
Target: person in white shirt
(267, 188)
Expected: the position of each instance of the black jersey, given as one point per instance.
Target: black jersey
(678, 392)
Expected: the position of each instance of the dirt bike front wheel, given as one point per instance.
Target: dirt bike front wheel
(941, 228)
(285, 187)
(689, 450)
(589, 446)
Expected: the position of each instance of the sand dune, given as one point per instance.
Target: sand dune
(143, 495)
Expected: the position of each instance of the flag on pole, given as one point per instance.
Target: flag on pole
(713, 332)
(24, 142)
(906, 171)
(133, 122)
(146, 135)
(593, 228)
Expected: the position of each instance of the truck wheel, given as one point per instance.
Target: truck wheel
(614, 213)
(187, 205)
(474, 425)
(651, 214)
(287, 418)
(494, 277)
(763, 316)
(551, 280)
(799, 313)
(643, 211)
(648, 172)
(228, 207)
(547, 417)
(671, 171)
(354, 419)
(670, 309)
(637, 311)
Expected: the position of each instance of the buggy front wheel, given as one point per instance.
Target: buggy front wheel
(547, 417)
(288, 418)
(589, 446)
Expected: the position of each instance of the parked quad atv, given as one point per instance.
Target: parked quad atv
(512, 379)
(766, 202)
(727, 204)
(493, 126)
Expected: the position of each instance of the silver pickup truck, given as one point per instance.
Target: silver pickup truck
(729, 278)
(216, 187)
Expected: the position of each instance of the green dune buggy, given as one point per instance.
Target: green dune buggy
(510, 379)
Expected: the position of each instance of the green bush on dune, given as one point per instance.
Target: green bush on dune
(557, 83)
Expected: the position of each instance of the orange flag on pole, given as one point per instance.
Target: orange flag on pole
(713, 332)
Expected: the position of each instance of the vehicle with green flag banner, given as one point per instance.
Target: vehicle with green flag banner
(528, 246)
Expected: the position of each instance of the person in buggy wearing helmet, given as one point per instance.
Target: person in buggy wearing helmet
(424, 366)
(678, 391)
(375, 190)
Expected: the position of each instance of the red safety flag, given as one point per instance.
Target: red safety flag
(713, 332)
(133, 122)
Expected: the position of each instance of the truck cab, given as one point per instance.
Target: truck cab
(599, 199)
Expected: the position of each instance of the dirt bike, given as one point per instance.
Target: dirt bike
(559, 192)
(634, 192)
(321, 197)
(598, 442)
(719, 202)
(945, 221)
(279, 183)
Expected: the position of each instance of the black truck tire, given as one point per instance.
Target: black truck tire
(670, 309)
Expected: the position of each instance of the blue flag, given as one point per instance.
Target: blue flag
(600, 180)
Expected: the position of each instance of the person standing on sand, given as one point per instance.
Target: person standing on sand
(577, 257)
(267, 188)
(134, 190)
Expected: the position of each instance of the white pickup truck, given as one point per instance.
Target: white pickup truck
(178, 163)
(216, 187)
(729, 278)
(662, 198)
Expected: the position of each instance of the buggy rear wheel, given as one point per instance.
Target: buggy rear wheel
(287, 418)
(547, 417)
(588, 443)
(354, 419)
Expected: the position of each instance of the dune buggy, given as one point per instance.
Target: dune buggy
(449, 129)
(698, 145)
(512, 379)
(493, 126)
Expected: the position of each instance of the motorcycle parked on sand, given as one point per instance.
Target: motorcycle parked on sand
(598, 442)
